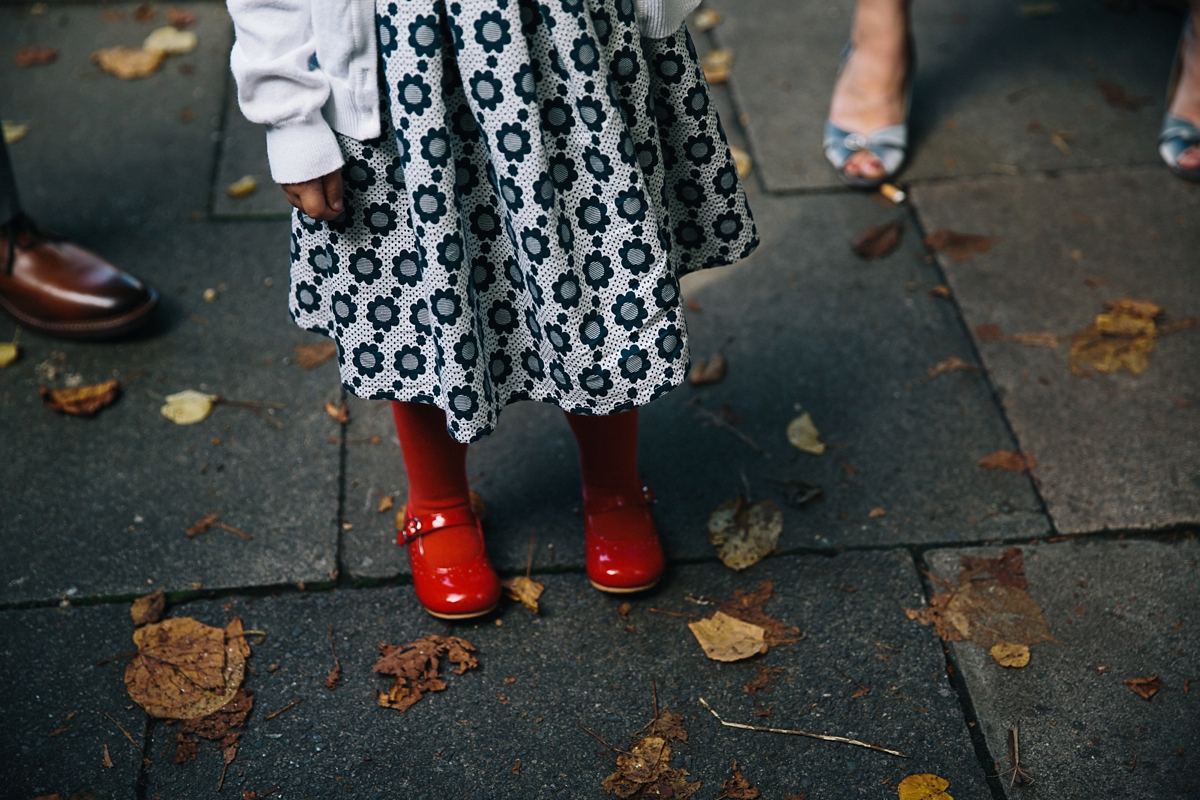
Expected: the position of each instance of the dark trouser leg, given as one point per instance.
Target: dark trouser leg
(9, 205)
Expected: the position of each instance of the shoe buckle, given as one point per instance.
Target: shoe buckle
(855, 141)
(412, 529)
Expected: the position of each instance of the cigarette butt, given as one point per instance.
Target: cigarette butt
(893, 193)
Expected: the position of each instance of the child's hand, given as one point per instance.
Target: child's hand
(320, 198)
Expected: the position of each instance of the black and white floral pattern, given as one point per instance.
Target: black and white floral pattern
(520, 230)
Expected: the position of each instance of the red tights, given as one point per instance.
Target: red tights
(437, 467)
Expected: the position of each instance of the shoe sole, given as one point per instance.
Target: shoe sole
(90, 330)
(625, 589)
(472, 615)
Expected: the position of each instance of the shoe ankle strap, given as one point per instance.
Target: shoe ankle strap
(425, 524)
(611, 502)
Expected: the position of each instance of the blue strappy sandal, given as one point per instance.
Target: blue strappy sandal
(889, 145)
(1178, 134)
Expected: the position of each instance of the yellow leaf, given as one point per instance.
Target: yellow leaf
(742, 161)
(128, 63)
(923, 787)
(8, 353)
(716, 65)
(744, 534)
(81, 401)
(242, 187)
(170, 41)
(1010, 654)
(725, 638)
(525, 590)
(14, 131)
(189, 406)
(803, 435)
(706, 19)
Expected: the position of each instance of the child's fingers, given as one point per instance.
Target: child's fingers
(309, 197)
(333, 190)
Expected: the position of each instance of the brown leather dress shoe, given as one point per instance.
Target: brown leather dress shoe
(60, 289)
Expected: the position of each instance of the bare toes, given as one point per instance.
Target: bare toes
(1190, 158)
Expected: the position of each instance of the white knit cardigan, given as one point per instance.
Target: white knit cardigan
(307, 68)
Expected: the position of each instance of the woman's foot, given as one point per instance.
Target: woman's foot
(1185, 105)
(624, 553)
(451, 572)
(871, 88)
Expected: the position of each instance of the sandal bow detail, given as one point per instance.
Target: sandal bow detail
(463, 590)
(624, 553)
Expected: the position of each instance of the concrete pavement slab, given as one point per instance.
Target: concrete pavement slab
(577, 662)
(53, 698)
(101, 151)
(1115, 451)
(992, 85)
(244, 153)
(805, 325)
(99, 506)
(1121, 610)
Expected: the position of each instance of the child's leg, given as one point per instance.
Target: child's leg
(437, 480)
(623, 550)
(607, 452)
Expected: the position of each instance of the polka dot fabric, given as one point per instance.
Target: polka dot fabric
(520, 232)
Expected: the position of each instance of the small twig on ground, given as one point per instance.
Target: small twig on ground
(716, 420)
(253, 404)
(654, 695)
(104, 661)
(944, 584)
(128, 736)
(529, 563)
(331, 680)
(820, 736)
(275, 714)
(596, 736)
(863, 690)
(1019, 777)
(673, 613)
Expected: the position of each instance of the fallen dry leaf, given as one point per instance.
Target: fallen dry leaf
(386, 503)
(724, 638)
(81, 401)
(1117, 97)
(415, 667)
(524, 589)
(983, 609)
(242, 187)
(1010, 654)
(951, 364)
(185, 669)
(33, 55)
(645, 771)
(1010, 460)
(1007, 569)
(219, 727)
(8, 353)
(706, 19)
(878, 241)
(747, 606)
(876, 513)
(170, 41)
(107, 761)
(14, 131)
(803, 434)
(1120, 338)
(703, 373)
(335, 674)
(188, 407)
(959, 246)
(210, 521)
(742, 161)
(763, 683)
(144, 13)
(1038, 339)
(923, 787)
(128, 63)
(181, 17)
(148, 609)
(311, 356)
(716, 64)
(339, 414)
(744, 534)
(1145, 687)
(941, 290)
(989, 333)
(798, 493)
(737, 787)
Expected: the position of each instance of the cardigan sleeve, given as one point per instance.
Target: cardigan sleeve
(281, 85)
(659, 19)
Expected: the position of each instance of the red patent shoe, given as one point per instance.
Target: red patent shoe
(467, 588)
(624, 553)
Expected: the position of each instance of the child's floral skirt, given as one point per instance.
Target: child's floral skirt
(518, 232)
